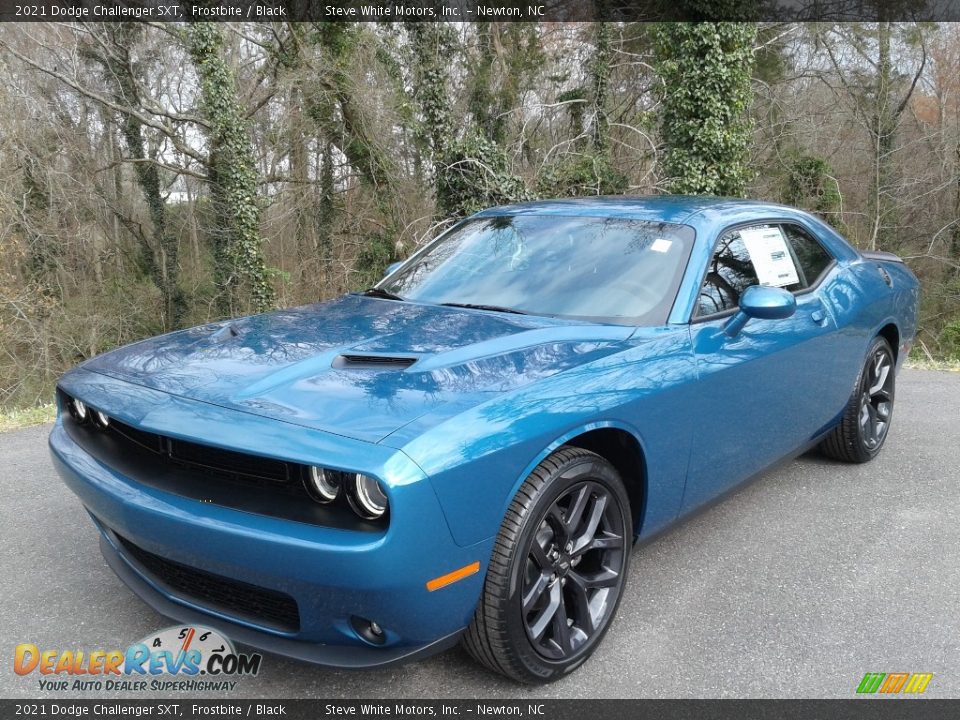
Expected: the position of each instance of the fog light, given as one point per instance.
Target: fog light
(323, 484)
(368, 630)
(367, 497)
(79, 409)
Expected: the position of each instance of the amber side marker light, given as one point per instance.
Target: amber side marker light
(452, 577)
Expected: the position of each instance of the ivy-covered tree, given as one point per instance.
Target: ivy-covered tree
(590, 169)
(241, 273)
(809, 184)
(706, 72)
(471, 171)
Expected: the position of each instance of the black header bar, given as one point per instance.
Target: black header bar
(478, 10)
(894, 708)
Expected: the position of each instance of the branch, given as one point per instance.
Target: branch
(103, 100)
(916, 78)
(151, 161)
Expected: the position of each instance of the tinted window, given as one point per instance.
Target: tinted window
(801, 262)
(729, 274)
(811, 258)
(606, 269)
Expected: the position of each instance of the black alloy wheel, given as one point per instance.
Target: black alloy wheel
(866, 419)
(557, 572)
(876, 400)
(572, 577)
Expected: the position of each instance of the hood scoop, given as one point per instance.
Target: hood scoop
(373, 362)
(227, 332)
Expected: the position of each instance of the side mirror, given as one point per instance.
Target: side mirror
(764, 303)
(393, 266)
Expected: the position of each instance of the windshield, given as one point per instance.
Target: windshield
(601, 269)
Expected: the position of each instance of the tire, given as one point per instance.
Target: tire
(866, 418)
(575, 566)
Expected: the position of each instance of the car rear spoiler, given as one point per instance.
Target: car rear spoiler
(880, 255)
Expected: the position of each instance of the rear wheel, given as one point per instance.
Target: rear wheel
(866, 419)
(557, 572)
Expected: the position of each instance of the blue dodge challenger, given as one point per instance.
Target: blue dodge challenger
(469, 450)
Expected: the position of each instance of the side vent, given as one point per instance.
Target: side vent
(373, 362)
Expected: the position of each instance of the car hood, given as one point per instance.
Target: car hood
(358, 366)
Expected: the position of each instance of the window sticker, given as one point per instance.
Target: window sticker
(770, 256)
(661, 245)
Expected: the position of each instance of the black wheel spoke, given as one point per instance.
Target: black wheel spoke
(598, 506)
(879, 374)
(535, 593)
(557, 521)
(604, 578)
(539, 555)
(561, 628)
(546, 616)
(583, 615)
(604, 542)
(575, 513)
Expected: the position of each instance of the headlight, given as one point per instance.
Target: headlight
(324, 484)
(79, 409)
(102, 420)
(367, 497)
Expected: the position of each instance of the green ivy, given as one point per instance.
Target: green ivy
(233, 174)
(471, 170)
(474, 173)
(706, 72)
(950, 341)
(809, 184)
(582, 174)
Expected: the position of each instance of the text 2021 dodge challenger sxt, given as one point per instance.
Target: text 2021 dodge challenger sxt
(469, 450)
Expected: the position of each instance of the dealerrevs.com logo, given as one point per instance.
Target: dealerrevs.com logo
(172, 659)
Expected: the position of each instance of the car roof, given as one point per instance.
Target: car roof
(663, 208)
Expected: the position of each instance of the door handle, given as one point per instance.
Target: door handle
(818, 314)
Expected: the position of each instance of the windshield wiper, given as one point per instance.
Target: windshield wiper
(381, 293)
(494, 308)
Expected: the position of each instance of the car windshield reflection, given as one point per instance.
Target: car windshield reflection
(617, 270)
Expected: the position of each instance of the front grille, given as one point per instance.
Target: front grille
(229, 478)
(146, 440)
(242, 600)
(232, 463)
(226, 463)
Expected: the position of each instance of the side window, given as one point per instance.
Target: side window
(766, 254)
(812, 259)
(730, 273)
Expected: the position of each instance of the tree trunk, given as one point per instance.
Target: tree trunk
(241, 273)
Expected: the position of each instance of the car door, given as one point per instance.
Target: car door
(764, 392)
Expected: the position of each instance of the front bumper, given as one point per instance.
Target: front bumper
(333, 575)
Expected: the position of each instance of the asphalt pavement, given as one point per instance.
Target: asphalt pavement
(795, 586)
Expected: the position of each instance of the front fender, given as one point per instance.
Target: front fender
(477, 459)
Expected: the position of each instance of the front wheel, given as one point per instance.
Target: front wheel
(557, 572)
(866, 419)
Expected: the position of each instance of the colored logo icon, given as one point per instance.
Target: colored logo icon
(893, 683)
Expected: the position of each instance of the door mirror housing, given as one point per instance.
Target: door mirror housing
(763, 303)
(392, 267)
